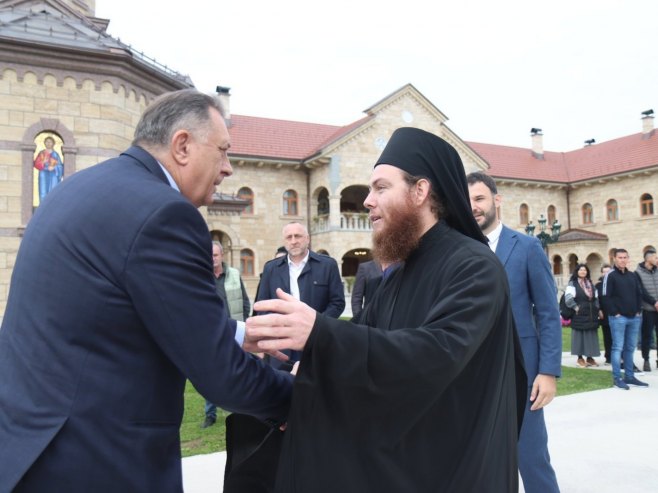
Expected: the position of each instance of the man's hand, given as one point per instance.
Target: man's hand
(288, 327)
(252, 347)
(543, 391)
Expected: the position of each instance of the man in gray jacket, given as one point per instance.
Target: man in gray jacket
(648, 274)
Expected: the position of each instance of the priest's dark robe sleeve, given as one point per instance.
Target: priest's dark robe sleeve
(409, 368)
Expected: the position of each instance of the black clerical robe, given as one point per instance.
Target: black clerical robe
(427, 397)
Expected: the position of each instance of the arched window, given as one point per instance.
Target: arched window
(246, 193)
(646, 205)
(246, 262)
(289, 203)
(557, 265)
(551, 215)
(323, 202)
(588, 214)
(523, 214)
(611, 210)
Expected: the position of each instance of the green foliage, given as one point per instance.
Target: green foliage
(577, 380)
(194, 439)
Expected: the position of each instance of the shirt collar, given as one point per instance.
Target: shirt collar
(170, 179)
(495, 234)
(302, 263)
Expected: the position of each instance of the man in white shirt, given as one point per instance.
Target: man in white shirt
(310, 277)
(533, 296)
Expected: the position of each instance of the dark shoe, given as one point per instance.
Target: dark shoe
(209, 421)
(635, 382)
(647, 366)
(591, 362)
(581, 362)
(620, 384)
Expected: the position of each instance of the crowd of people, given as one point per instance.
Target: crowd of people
(438, 383)
(624, 304)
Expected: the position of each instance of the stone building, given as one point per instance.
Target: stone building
(62, 76)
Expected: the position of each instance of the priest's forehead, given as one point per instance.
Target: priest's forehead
(386, 173)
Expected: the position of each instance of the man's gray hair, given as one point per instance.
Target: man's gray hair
(218, 244)
(186, 109)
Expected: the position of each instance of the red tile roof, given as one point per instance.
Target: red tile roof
(281, 139)
(630, 153)
(267, 138)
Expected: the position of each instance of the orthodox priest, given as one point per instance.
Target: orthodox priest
(427, 392)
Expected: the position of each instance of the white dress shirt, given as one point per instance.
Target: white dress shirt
(295, 270)
(494, 236)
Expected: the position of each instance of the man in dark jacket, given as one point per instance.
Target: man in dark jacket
(92, 382)
(603, 314)
(624, 303)
(647, 273)
(311, 278)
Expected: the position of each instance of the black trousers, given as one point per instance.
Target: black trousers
(607, 337)
(649, 325)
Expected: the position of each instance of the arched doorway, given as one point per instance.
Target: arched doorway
(352, 259)
(594, 262)
(227, 244)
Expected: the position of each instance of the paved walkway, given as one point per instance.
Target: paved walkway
(600, 442)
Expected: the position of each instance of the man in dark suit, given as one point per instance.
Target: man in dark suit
(368, 276)
(113, 305)
(309, 277)
(537, 318)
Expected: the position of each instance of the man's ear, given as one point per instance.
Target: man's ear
(422, 190)
(180, 147)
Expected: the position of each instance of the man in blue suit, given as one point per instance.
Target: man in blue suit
(113, 305)
(536, 314)
(310, 277)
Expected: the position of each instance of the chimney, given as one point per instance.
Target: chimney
(537, 143)
(647, 124)
(224, 96)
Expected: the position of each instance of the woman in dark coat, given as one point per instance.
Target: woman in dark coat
(582, 297)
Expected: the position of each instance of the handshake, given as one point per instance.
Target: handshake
(287, 325)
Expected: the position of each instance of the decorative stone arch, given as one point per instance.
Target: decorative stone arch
(69, 153)
(594, 261)
(351, 259)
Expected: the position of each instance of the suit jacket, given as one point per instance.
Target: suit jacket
(112, 306)
(534, 302)
(361, 289)
(320, 287)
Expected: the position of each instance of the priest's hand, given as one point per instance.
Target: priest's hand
(251, 346)
(287, 326)
(543, 391)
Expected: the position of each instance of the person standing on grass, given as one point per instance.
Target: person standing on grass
(623, 293)
(603, 314)
(581, 295)
(647, 273)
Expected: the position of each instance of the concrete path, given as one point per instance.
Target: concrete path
(600, 442)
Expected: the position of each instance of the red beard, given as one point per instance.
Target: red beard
(401, 235)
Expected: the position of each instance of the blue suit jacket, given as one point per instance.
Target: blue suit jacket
(320, 287)
(534, 302)
(112, 306)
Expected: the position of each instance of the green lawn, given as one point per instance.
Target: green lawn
(195, 440)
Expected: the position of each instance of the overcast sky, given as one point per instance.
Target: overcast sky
(577, 69)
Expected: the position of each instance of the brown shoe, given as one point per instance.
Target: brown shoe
(592, 362)
(581, 363)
